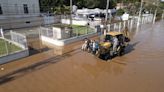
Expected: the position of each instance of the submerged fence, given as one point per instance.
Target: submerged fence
(119, 26)
(11, 42)
(62, 32)
(130, 24)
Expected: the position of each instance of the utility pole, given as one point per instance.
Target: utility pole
(163, 15)
(107, 7)
(155, 14)
(140, 13)
(106, 17)
(71, 30)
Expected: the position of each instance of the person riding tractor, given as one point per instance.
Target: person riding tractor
(114, 44)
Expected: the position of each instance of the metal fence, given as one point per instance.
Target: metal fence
(119, 26)
(147, 18)
(130, 24)
(19, 39)
(64, 32)
(47, 31)
(12, 42)
(61, 33)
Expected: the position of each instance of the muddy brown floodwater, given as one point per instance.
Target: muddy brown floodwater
(139, 70)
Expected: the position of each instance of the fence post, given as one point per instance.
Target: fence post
(46, 29)
(119, 26)
(25, 41)
(124, 24)
(143, 20)
(131, 24)
(12, 39)
(148, 19)
(2, 32)
(162, 14)
(3, 37)
(40, 39)
(114, 27)
(108, 27)
(154, 16)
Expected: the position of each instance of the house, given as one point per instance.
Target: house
(19, 7)
(19, 13)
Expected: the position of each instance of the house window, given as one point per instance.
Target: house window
(1, 12)
(25, 8)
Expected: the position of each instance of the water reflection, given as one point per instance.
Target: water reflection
(97, 67)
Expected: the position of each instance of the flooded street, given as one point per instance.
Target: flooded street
(139, 70)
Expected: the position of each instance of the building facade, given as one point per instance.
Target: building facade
(19, 7)
(19, 13)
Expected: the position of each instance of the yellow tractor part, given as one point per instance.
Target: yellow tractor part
(106, 44)
(114, 33)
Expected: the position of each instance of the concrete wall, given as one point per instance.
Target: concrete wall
(52, 41)
(14, 56)
(21, 22)
(30, 21)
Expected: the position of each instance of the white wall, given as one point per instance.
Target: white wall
(74, 22)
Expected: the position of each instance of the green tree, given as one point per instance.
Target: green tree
(51, 5)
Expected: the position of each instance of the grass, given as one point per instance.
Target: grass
(81, 30)
(61, 25)
(11, 47)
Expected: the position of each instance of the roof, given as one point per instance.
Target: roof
(114, 33)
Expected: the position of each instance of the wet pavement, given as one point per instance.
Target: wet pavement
(139, 70)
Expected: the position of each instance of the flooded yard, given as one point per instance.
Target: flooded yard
(139, 70)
